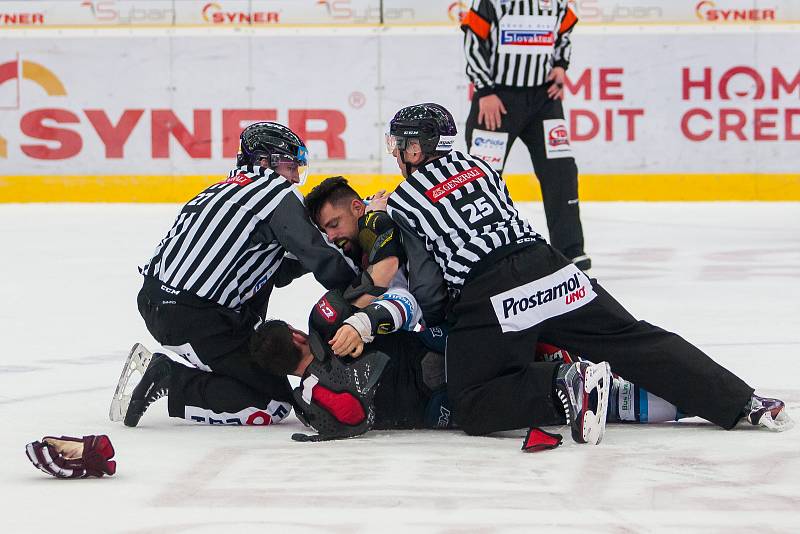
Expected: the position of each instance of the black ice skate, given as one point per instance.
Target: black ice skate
(769, 413)
(153, 385)
(583, 389)
(582, 262)
(137, 362)
(577, 256)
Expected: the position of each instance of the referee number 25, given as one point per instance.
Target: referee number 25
(477, 210)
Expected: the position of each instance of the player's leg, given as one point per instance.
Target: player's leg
(547, 140)
(660, 361)
(628, 402)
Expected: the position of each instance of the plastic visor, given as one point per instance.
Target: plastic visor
(293, 168)
(400, 142)
(289, 168)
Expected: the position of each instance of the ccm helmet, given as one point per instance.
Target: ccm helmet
(275, 142)
(429, 123)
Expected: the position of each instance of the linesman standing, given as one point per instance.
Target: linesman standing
(517, 54)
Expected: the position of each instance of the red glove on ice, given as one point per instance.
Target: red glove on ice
(68, 457)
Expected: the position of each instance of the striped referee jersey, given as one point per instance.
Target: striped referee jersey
(515, 43)
(462, 211)
(230, 240)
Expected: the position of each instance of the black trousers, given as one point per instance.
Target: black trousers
(527, 109)
(493, 383)
(223, 385)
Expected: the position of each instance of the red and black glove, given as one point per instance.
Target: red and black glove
(68, 457)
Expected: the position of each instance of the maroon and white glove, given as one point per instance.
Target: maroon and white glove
(68, 457)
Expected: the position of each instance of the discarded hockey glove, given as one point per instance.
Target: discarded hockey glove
(68, 457)
(337, 399)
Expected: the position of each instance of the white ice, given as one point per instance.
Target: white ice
(724, 275)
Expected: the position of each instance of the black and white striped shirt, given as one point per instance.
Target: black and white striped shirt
(515, 43)
(461, 208)
(229, 240)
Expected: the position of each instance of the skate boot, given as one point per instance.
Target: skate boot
(769, 413)
(582, 262)
(583, 389)
(577, 256)
(153, 385)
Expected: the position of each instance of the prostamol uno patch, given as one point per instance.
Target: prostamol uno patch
(556, 294)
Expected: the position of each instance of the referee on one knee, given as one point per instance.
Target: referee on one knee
(517, 54)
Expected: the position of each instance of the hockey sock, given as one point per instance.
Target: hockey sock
(630, 403)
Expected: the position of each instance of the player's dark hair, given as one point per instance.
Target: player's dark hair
(334, 189)
(271, 348)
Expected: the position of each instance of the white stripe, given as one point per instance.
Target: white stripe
(235, 251)
(51, 464)
(191, 256)
(308, 387)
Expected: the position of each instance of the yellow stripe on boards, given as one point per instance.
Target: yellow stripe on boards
(523, 187)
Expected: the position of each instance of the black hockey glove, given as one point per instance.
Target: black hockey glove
(379, 237)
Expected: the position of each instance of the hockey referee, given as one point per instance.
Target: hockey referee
(209, 281)
(517, 54)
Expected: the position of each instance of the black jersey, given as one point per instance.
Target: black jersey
(402, 396)
(462, 210)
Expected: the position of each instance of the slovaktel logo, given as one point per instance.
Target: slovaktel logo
(439, 191)
(556, 294)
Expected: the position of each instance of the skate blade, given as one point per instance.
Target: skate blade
(138, 360)
(598, 377)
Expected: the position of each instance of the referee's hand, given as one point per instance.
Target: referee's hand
(556, 89)
(490, 109)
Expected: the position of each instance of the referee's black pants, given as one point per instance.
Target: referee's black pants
(527, 109)
(214, 340)
(493, 383)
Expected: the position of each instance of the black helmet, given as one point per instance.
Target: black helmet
(431, 123)
(273, 141)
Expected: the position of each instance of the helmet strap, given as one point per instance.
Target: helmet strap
(407, 164)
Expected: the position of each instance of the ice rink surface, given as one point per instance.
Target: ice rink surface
(724, 275)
